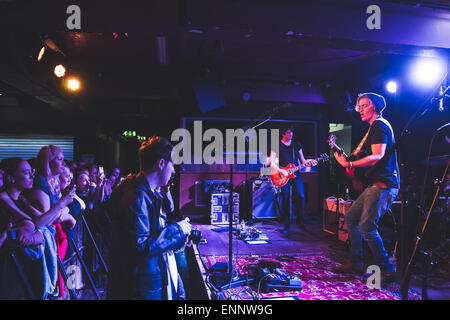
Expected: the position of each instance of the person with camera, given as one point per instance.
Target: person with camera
(142, 264)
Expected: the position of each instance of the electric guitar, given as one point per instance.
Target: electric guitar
(280, 180)
(356, 175)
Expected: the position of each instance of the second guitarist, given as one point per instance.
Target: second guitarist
(290, 152)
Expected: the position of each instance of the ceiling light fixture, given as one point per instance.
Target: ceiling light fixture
(41, 53)
(60, 71)
(73, 84)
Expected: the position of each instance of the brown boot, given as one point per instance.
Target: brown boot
(349, 268)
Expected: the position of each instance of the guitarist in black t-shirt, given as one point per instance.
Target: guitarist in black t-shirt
(382, 185)
(290, 153)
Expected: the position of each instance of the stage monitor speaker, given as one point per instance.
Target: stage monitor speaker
(263, 200)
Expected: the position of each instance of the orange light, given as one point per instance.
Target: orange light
(41, 54)
(60, 71)
(73, 84)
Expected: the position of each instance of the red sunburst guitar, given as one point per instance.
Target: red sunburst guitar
(356, 175)
(280, 180)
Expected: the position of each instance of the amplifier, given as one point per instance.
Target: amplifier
(330, 221)
(342, 230)
(333, 217)
(220, 208)
(263, 200)
(204, 188)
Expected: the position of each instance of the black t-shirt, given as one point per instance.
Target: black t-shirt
(289, 154)
(386, 170)
(7, 216)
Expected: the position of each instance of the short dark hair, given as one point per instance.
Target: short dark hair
(286, 127)
(152, 150)
(10, 165)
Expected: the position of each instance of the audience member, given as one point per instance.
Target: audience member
(143, 265)
(65, 180)
(1, 178)
(46, 192)
(93, 172)
(33, 244)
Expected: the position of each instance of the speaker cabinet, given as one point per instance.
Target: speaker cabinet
(264, 195)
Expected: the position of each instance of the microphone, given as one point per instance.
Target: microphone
(442, 94)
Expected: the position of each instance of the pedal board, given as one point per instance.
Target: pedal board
(295, 285)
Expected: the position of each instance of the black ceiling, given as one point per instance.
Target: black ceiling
(119, 51)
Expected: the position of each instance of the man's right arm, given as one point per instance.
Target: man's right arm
(139, 226)
(274, 166)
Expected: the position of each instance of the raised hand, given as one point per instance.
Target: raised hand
(68, 195)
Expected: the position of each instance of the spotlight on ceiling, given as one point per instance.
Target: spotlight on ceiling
(60, 71)
(428, 72)
(391, 86)
(73, 84)
(246, 96)
(41, 53)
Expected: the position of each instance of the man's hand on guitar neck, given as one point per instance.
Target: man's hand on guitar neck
(342, 160)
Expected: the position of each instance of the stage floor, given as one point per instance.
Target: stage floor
(311, 240)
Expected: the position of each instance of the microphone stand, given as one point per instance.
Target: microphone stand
(231, 202)
(405, 268)
(407, 273)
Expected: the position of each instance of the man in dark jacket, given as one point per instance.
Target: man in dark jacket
(142, 261)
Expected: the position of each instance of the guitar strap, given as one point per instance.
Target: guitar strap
(358, 148)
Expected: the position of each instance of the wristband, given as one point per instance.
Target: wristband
(351, 165)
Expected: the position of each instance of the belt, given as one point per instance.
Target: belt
(380, 185)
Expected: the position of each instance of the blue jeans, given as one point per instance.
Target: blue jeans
(362, 223)
(146, 291)
(298, 200)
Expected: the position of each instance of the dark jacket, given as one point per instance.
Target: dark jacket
(137, 265)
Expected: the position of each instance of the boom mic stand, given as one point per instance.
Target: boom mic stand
(231, 276)
(407, 274)
(404, 286)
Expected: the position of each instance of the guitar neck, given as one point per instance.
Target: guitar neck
(301, 166)
(339, 150)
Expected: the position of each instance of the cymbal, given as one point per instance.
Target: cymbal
(437, 161)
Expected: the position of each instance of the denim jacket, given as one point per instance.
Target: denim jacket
(137, 266)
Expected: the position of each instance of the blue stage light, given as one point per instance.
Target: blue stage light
(428, 72)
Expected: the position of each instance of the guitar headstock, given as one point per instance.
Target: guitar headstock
(334, 147)
(332, 140)
(324, 157)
